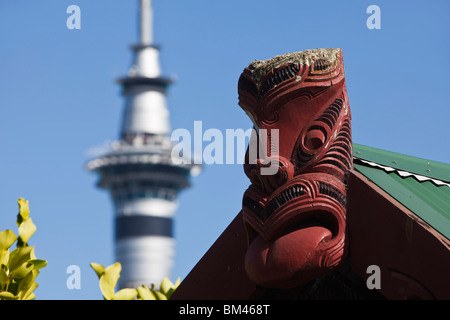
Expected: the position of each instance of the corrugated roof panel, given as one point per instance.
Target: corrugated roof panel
(424, 198)
(437, 198)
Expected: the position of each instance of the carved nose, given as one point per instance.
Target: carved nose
(269, 174)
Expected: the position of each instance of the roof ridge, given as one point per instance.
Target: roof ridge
(404, 174)
(400, 162)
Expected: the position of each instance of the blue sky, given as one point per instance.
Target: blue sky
(58, 98)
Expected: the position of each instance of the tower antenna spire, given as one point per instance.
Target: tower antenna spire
(146, 22)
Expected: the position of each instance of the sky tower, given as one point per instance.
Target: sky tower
(139, 172)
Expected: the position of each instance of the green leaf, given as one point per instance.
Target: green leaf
(22, 271)
(3, 279)
(174, 287)
(19, 256)
(144, 293)
(159, 295)
(25, 289)
(166, 285)
(109, 279)
(38, 263)
(7, 238)
(169, 293)
(26, 230)
(11, 256)
(5, 295)
(125, 294)
(32, 296)
(4, 257)
(27, 294)
(98, 268)
(177, 283)
(24, 211)
(26, 284)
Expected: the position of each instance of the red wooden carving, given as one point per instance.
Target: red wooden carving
(295, 218)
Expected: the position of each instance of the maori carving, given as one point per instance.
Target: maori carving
(296, 218)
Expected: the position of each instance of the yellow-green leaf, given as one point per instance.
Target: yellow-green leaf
(26, 230)
(177, 283)
(5, 295)
(3, 278)
(7, 238)
(38, 263)
(169, 293)
(98, 268)
(166, 285)
(109, 279)
(22, 271)
(174, 287)
(125, 294)
(4, 257)
(27, 285)
(24, 211)
(19, 256)
(32, 255)
(144, 293)
(159, 295)
(31, 296)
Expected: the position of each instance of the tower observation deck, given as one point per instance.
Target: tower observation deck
(139, 172)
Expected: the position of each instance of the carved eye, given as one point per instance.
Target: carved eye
(315, 138)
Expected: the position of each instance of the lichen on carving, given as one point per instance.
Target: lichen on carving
(261, 67)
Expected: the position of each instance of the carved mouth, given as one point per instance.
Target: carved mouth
(297, 229)
(328, 190)
(278, 201)
(288, 194)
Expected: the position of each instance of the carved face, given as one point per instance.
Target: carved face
(295, 218)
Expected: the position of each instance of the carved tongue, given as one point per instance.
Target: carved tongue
(277, 264)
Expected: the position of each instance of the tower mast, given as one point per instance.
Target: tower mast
(145, 26)
(139, 172)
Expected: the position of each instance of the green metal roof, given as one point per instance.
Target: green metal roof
(421, 185)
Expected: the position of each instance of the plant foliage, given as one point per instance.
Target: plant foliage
(109, 276)
(19, 267)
